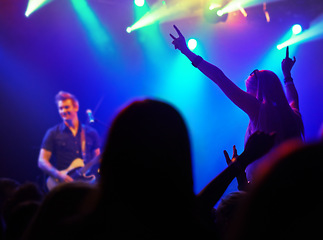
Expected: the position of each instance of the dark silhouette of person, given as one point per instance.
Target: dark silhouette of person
(285, 199)
(60, 207)
(146, 173)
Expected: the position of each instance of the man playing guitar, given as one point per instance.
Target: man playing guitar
(67, 141)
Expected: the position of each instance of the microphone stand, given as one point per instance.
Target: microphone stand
(99, 122)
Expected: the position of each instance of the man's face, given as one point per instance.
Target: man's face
(67, 110)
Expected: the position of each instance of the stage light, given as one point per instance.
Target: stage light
(34, 5)
(219, 13)
(162, 12)
(129, 29)
(266, 12)
(280, 46)
(213, 6)
(140, 3)
(243, 11)
(297, 29)
(214, 14)
(192, 44)
(314, 32)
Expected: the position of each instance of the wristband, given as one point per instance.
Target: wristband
(288, 80)
(197, 60)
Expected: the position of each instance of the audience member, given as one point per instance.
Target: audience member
(241, 178)
(146, 174)
(20, 218)
(19, 208)
(265, 102)
(285, 200)
(62, 205)
(256, 147)
(226, 211)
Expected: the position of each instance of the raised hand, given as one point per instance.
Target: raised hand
(234, 155)
(287, 64)
(179, 42)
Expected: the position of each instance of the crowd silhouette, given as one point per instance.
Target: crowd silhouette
(145, 190)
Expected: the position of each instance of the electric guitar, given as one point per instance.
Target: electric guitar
(76, 170)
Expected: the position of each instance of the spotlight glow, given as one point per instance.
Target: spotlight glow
(91, 23)
(34, 5)
(181, 9)
(266, 12)
(243, 11)
(213, 6)
(129, 29)
(192, 44)
(297, 29)
(313, 33)
(235, 5)
(140, 3)
(173, 10)
(220, 13)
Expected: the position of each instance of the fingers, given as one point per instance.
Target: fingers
(178, 31)
(234, 149)
(227, 158)
(172, 36)
(294, 59)
(235, 152)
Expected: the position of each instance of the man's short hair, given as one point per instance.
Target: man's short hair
(62, 96)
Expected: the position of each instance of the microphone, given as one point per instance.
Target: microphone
(90, 116)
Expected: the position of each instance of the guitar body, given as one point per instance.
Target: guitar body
(74, 170)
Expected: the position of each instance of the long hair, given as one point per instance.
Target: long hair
(270, 90)
(147, 138)
(146, 164)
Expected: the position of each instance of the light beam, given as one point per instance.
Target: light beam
(34, 5)
(92, 24)
(162, 12)
(314, 32)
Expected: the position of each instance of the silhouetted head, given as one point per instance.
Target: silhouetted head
(266, 86)
(146, 170)
(147, 151)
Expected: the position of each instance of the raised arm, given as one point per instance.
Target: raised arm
(241, 177)
(257, 145)
(291, 92)
(246, 102)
